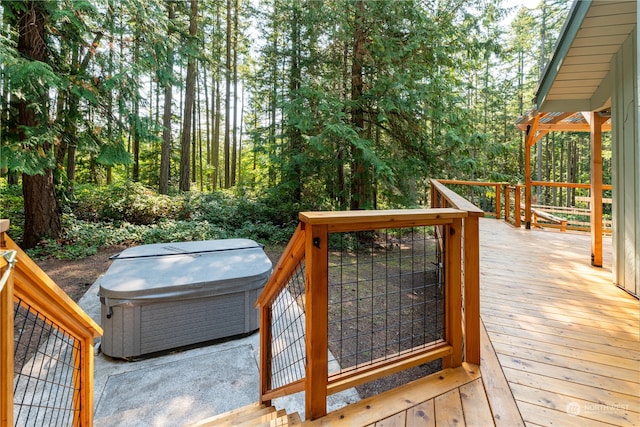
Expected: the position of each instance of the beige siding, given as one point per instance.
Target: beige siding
(626, 166)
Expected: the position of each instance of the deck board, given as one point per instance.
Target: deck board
(475, 405)
(566, 337)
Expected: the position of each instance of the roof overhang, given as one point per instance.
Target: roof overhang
(577, 78)
(541, 123)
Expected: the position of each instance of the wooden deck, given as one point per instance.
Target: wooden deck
(560, 345)
(567, 338)
(453, 397)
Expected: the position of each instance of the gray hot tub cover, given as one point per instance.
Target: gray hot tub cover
(178, 271)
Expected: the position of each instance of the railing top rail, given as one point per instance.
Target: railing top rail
(33, 285)
(567, 185)
(457, 200)
(364, 219)
(476, 183)
(288, 261)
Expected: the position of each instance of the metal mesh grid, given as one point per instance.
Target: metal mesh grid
(46, 371)
(386, 294)
(288, 331)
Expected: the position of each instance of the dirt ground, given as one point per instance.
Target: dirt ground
(76, 276)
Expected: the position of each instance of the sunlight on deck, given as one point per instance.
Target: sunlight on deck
(560, 345)
(566, 337)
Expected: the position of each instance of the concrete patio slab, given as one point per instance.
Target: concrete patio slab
(184, 386)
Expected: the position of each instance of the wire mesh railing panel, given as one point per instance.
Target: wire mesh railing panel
(386, 294)
(288, 356)
(46, 371)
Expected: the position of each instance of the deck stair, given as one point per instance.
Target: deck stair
(253, 415)
(455, 396)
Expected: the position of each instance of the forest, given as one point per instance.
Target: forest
(213, 118)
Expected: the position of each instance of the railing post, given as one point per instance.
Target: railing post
(517, 213)
(507, 203)
(472, 289)
(316, 306)
(265, 352)
(498, 201)
(6, 337)
(6, 350)
(434, 196)
(86, 365)
(453, 292)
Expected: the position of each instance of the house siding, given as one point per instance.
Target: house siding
(625, 113)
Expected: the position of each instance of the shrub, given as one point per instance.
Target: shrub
(130, 214)
(127, 201)
(12, 208)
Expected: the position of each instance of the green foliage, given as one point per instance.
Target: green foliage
(12, 208)
(127, 201)
(130, 214)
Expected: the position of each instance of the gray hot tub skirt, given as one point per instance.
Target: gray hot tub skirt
(178, 294)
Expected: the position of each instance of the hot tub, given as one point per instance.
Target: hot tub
(163, 296)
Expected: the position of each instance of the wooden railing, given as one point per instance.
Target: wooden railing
(29, 293)
(442, 197)
(507, 202)
(494, 208)
(556, 214)
(308, 255)
(514, 218)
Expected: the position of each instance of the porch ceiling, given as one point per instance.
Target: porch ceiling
(576, 77)
(560, 122)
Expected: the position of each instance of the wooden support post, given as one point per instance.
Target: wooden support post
(527, 188)
(596, 189)
(472, 289)
(531, 140)
(453, 292)
(316, 305)
(498, 201)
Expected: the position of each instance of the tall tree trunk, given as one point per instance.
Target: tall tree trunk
(188, 104)
(194, 136)
(197, 127)
(41, 214)
(343, 201)
(240, 136)
(135, 121)
(234, 148)
(215, 148)
(207, 115)
(295, 136)
(359, 179)
(521, 110)
(227, 102)
(215, 101)
(165, 154)
(273, 104)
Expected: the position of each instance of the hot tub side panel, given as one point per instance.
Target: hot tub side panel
(138, 329)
